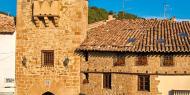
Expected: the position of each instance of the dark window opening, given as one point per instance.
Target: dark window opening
(120, 60)
(86, 54)
(142, 60)
(48, 93)
(144, 83)
(167, 60)
(86, 78)
(107, 80)
(47, 57)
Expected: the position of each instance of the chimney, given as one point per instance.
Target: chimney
(110, 17)
(173, 19)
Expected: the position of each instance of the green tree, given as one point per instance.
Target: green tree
(97, 14)
(124, 15)
(5, 13)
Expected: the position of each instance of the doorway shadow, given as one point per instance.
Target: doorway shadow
(48, 93)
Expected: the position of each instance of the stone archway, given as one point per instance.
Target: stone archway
(48, 93)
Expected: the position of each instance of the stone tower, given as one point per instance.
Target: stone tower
(48, 32)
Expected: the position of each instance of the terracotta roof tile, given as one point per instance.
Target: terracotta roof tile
(7, 24)
(139, 36)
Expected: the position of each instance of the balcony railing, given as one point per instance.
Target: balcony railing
(180, 92)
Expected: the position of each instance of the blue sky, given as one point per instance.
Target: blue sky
(8, 6)
(147, 8)
(142, 8)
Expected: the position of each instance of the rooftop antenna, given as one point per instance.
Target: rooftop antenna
(166, 6)
(123, 7)
(123, 2)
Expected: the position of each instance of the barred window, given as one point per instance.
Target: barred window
(167, 60)
(119, 60)
(47, 57)
(144, 83)
(141, 60)
(107, 80)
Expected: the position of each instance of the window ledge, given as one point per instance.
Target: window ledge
(142, 65)
(167, 66)
(119, 65)
(107, 88)
(48, 66)
(144, 91)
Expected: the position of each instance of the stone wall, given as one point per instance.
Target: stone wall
(125, 78)
(122, 84)
(103, 62)
(35, 79)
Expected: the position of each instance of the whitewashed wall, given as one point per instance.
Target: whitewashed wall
(7, 61)
(168, 83)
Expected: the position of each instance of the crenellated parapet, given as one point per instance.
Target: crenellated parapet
(46, 10)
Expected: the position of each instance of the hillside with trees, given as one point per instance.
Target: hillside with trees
(98, 14)
(5, 13)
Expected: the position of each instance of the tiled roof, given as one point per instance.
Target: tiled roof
(7, 24)
(139, 36)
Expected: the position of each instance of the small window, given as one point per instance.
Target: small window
(144, 83)
(86, 55)
(167, 60)
(183, 34)
(48, 57)
(85, 81)
(119, 60)
(107, 80)
(141, 60)
(9, 80)
(131, 40)
(161, 41)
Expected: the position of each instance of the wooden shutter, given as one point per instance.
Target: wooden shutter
(168, 60)
(144, 83)
(104, 81)
(141, 60)
(120, 60)
(107, 80)
(144, 60)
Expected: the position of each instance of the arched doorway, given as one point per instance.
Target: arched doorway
(48, 93)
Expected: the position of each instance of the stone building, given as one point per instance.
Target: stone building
(48, 32)
(136, 57)
(7, 54)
